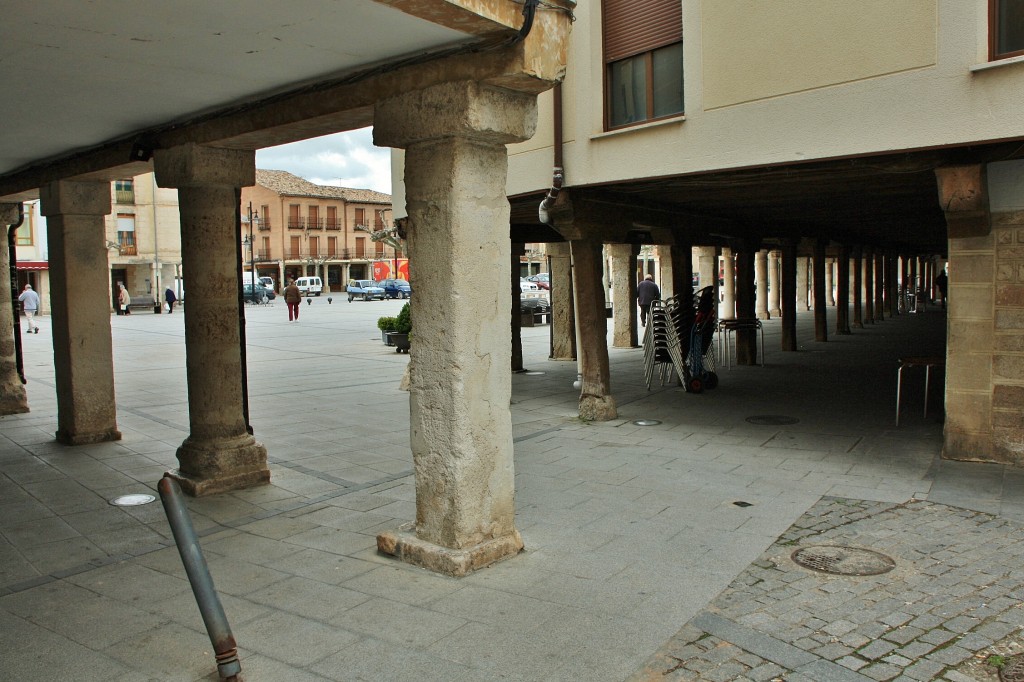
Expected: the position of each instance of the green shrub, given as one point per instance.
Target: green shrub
(387, 324)
(403, 323)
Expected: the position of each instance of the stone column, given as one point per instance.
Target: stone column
(624, 307)
(707, 268)
(220, 453)
(890, 283)
(820, 318)
(802, 284)
(681, 258)
(869, 286)
(728, 310)
(830, 298)
(843, 290)
(596, 401)
(746, 339)
(761, 282)
(879, 284)
(858, 286)
(774, 257)
(788, 294)
(563, 313)
(82, 347)
(454, 135)
(13, 399)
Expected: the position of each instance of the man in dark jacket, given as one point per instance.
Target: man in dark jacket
(646, 293)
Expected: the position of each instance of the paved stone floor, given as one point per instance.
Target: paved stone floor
(639, 563)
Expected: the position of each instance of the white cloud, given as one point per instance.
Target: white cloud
(342, 160)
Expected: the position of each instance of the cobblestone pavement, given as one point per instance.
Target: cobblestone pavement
(950, 609)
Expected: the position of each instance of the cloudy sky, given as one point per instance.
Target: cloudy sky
(343, 160)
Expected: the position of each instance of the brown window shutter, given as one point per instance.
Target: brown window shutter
(635, 26)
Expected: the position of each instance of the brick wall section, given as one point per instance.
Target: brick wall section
(1008, 341)
(969, 349)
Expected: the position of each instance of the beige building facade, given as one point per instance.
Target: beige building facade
(302, 229)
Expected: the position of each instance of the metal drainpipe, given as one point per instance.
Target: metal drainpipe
(224, 647)
(19, 361)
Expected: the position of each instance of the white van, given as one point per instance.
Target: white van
(309, 285)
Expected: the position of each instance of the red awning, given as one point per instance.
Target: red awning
(33, 265)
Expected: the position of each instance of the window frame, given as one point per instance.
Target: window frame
(648, 61)
(993, 32)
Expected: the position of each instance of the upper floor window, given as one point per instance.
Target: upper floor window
(23, 235)
(643, 56)
(361, 216)
(124, 191)
(1006, 28)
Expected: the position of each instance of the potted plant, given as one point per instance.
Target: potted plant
(386, 325)
(402, 330)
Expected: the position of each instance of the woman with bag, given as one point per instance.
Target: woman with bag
(124, 300)
(170, 298)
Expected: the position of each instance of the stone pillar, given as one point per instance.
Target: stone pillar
(890, 283)
(220, 453)
(820, 317)
(746, 339)
(802, 285)
(728, 310)
(624, 307)
(707, 268)
(830, 298)
(879, 284)
(13, 399)
(761, 282)
(563, 312)
(869, 286)
(454, 135)
(681, 259)
(858, 286)
(596, 401)
(773, 284)
(843, 290)
(787, 294)
(82, 347)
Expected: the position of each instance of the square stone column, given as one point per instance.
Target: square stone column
(680, 259)
(13, 399)
(624, 306)
(761, 284)
(219, 454)
(563, 310)
(460, 379)
(80, 310)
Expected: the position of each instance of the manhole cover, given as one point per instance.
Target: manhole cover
(772, 420)
(843, 560)
(646, 422)
(131, 500)
(1013, 671)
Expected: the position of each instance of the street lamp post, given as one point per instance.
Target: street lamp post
(253, 217)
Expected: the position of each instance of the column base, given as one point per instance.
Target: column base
(403, 544)
(87, 438)
(595, 408)
(13, 406)
(208, 469)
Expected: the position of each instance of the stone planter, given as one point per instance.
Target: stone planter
(386, 338)
(399, 341)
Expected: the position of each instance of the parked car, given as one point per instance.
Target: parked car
(365, 289)
(542, 280)
(267, 282)
(527, 285)
(534, 305)
(257, 293)
(309, 285)
(395, 288)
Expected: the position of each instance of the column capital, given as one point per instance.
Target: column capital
(9, 214)
(963, 197)
(72, 197)
(465, 109)
(193, 165)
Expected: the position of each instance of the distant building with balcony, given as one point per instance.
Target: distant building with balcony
(301, 229)
(143, 240)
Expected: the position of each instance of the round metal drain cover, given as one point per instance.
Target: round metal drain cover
(843, 560)
(646, 422)
(132, 500)
(1013, 671)
(772, 420)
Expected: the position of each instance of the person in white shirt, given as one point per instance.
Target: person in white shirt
(30, 304)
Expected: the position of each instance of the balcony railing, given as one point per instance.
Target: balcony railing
(332, 224)
(128, 250)
(296, 223)
(263, 225)
(314, 223)
(338, 255)
(124, 196)
(264, 255)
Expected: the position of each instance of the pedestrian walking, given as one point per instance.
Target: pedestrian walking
(124, 300)
(646, 293)
(942, 282)
(292, 297)
(170, 298)
(30, 303)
